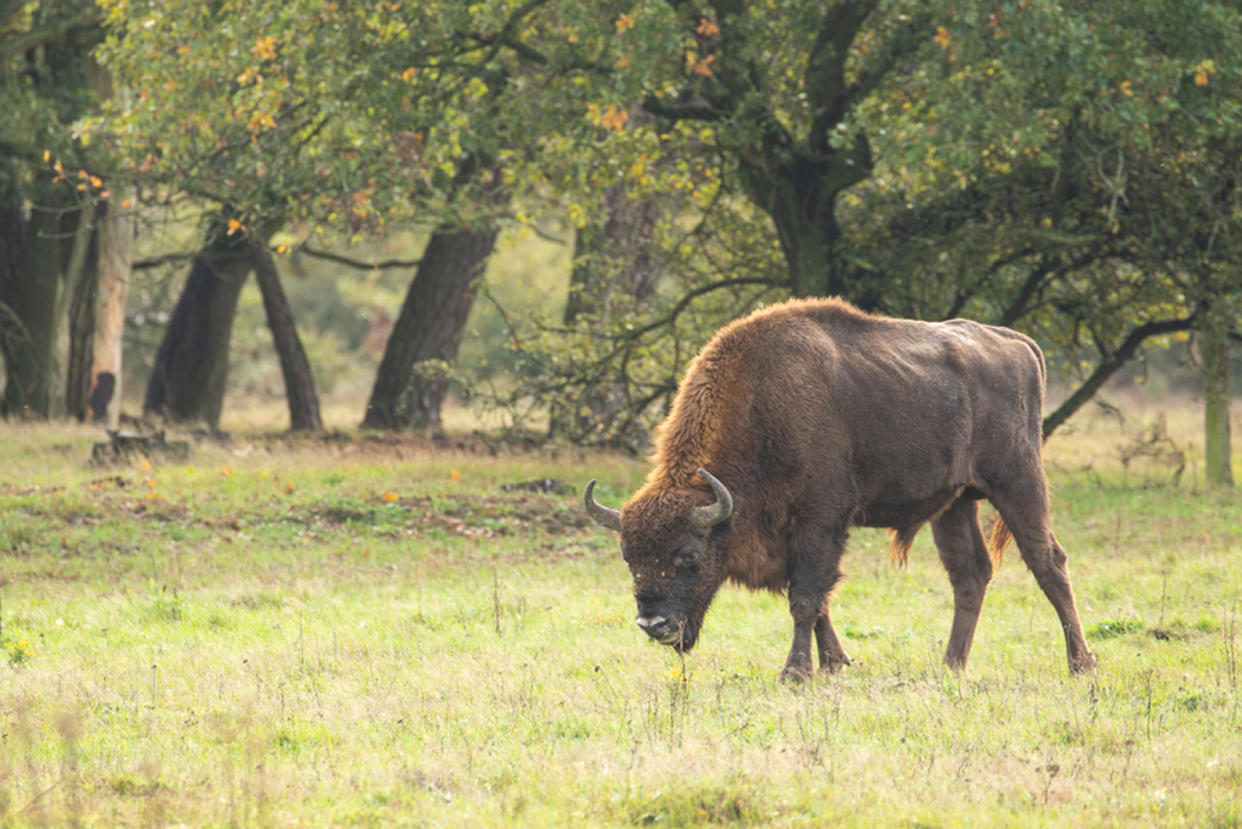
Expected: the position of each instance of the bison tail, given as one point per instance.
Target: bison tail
(899, 542)
(1001, 536)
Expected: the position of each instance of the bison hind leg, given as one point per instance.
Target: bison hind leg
(965, 557)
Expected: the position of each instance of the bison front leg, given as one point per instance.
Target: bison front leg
(798, 665)
(813, 571)
(832, 657)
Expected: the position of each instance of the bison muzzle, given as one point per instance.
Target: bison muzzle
(806, 419)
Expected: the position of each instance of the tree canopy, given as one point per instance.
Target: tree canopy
(1067, 168)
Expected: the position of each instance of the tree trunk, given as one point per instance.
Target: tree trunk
(800, 195)
(1214, 351)
(116, 254)
(35, 249)
(615, 269)
(295, 368)
(81, 294)
(412, 380)
(187, 382)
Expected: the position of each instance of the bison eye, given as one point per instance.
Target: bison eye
(687, 558)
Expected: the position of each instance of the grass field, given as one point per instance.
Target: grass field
(362, 631)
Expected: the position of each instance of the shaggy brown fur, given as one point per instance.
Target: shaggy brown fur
(818, 417)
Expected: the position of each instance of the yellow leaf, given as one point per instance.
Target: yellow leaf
(624, 22)
(234, 226)
(707, 28)
(1125, 89)
(614, 119)
(264, 48)
(942, 37)
(454, 475)
(703, 68)
(1203, 71)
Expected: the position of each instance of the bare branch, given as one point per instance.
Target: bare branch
(360, 264)
(1108, 366)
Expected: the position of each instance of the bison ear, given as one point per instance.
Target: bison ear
(604, 516)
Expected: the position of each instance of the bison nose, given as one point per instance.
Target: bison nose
(657, 627)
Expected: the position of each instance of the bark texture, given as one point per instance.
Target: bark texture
(294, 366)
(412, 380)
(1214, 351)
(116, 254)
(188, 379)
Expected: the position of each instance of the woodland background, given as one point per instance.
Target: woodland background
(547, 206)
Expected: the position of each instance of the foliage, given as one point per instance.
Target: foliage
(45, 85)
(1008, 162)
(1008, 147)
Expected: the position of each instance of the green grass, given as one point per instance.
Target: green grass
(373, 633)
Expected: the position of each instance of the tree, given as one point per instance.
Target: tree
(47, 225)
(971, 123)
(313, 116)
(187, 381)
(116, 250)
(294, 367)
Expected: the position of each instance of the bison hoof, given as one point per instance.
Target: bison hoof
(833, 664)
(1083, 664)
(796, 673)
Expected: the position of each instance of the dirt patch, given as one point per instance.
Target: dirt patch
(473, 516)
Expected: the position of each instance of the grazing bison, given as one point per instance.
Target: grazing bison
(803, 420)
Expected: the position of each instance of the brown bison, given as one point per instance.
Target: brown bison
(803, 420)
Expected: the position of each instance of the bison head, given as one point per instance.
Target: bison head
(669, 544)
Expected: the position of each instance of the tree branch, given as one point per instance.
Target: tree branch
(691, 108)
(362, 265)
(1111, 363)
(825, 65)
(907, 40)
(17, 44)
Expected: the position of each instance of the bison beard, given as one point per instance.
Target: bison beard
(817, 418)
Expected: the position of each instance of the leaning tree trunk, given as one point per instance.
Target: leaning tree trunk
(294, 367)
(187, 382)
(1214, 352)
(412, 379)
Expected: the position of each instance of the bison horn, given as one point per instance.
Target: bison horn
(708, 517)
(604, 516)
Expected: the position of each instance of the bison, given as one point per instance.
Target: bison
(810, 417)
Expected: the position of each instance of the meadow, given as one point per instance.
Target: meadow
(376, 630)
